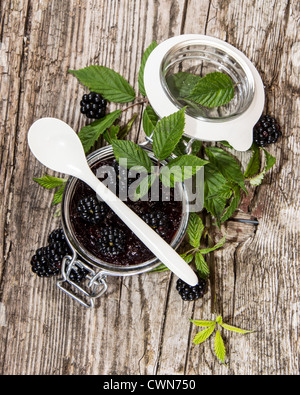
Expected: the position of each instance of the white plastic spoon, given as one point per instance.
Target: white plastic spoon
(56, 145)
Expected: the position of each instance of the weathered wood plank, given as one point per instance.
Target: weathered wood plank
(141, 326)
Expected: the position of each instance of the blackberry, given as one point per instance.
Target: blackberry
(189, 293)
(91, 210)
(46, 262)
(158, 221)
(56, 235)
(78, 274)
(93, 105)
(123, 180)
(112, 241)
(266, 131)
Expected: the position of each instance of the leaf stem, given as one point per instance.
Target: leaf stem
(145, 101)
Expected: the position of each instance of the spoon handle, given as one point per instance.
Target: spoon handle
(160, 248)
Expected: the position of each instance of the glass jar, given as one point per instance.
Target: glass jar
(97, 269)
(196, 56)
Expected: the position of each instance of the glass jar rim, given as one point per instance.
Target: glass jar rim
(237, 131)
(192, 43)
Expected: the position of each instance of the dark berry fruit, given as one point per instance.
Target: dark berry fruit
(112, 241)
(158, 221)
(93, 105)
(91, 210)
(189, 293)
(266, 131)
(47, 260)
(123, 178)
(78, 274)
(56, 235)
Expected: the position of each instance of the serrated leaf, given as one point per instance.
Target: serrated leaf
(181, 168)
(144, 186)
(201, 265)
(111, 133)
(90, 134)
(227, 165)
(110, 84)
(213, 90)
(214, 197)
(159, 269)
(204, 335)
(206, 324)
(235, 329)
(150, 120)
(125, 130)
(233, 204)
(220, 347)
(49, 182)
(195, 230)
(145, 57)
(188, 258)
(182, 84)
(167, 134)
(220, 244)
(254, 163)
(270, 162)
(57, 198)
(135, 155)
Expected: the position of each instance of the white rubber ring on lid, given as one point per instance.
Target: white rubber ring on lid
(237, 130)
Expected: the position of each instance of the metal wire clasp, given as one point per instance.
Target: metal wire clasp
(94, 289)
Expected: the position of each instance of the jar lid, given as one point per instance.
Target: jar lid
(200, 54)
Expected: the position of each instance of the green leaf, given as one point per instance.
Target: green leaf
(181, 168)
(106, 81)
(195, 230)
(58, 195)
(150, 120)
(159, 269)
(125, 130)
(188, 258)
(254, 163)
(144, 186)
(204, 335)
(270, 162)
(146, 55)
(227, 165)
(135, 155)
(181, 84)
(214, 186)
(168, 133)
(111, 134)
(219, 347)
(233, 204)
(49, 182)
(201, 265)
(235, 329)
(213, 90)
(216, 247)
(226, 144)
(206, 324)
(90, 134)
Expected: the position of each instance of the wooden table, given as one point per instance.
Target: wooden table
(141, 326)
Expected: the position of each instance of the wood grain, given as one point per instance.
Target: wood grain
(141, 326)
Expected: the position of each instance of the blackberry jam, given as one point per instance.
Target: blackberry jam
(104, 237)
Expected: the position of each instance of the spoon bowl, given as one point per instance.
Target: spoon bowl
(56, 145)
